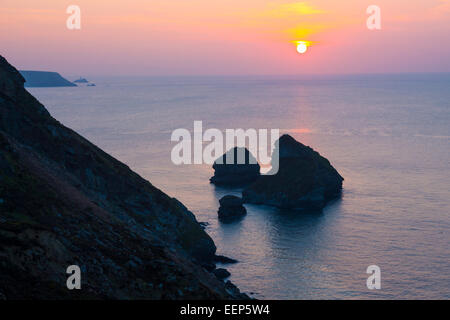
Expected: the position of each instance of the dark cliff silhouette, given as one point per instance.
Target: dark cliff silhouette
(64, 201)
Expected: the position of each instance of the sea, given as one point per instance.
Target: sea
(387, 134)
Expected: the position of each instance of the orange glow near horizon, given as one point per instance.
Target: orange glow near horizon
(160, 37)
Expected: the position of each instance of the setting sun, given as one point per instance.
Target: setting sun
(302, 46)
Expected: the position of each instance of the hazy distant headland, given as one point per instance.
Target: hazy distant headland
(45, 79)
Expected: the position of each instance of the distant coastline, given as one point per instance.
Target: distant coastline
(45, 79)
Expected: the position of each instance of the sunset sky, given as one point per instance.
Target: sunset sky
(215, 37)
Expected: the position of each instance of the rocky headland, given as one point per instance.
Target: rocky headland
(45, 79)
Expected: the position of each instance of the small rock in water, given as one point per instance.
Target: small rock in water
(231, 208)
(232, 289)
(224, 260)
(221, 273)
(203, 224)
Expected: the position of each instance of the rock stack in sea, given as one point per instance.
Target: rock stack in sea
(231, 208)
(305, 179)
(234, 172)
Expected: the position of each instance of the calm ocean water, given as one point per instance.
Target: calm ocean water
(389, 136)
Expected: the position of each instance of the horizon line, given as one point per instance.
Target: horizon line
(253, 75)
